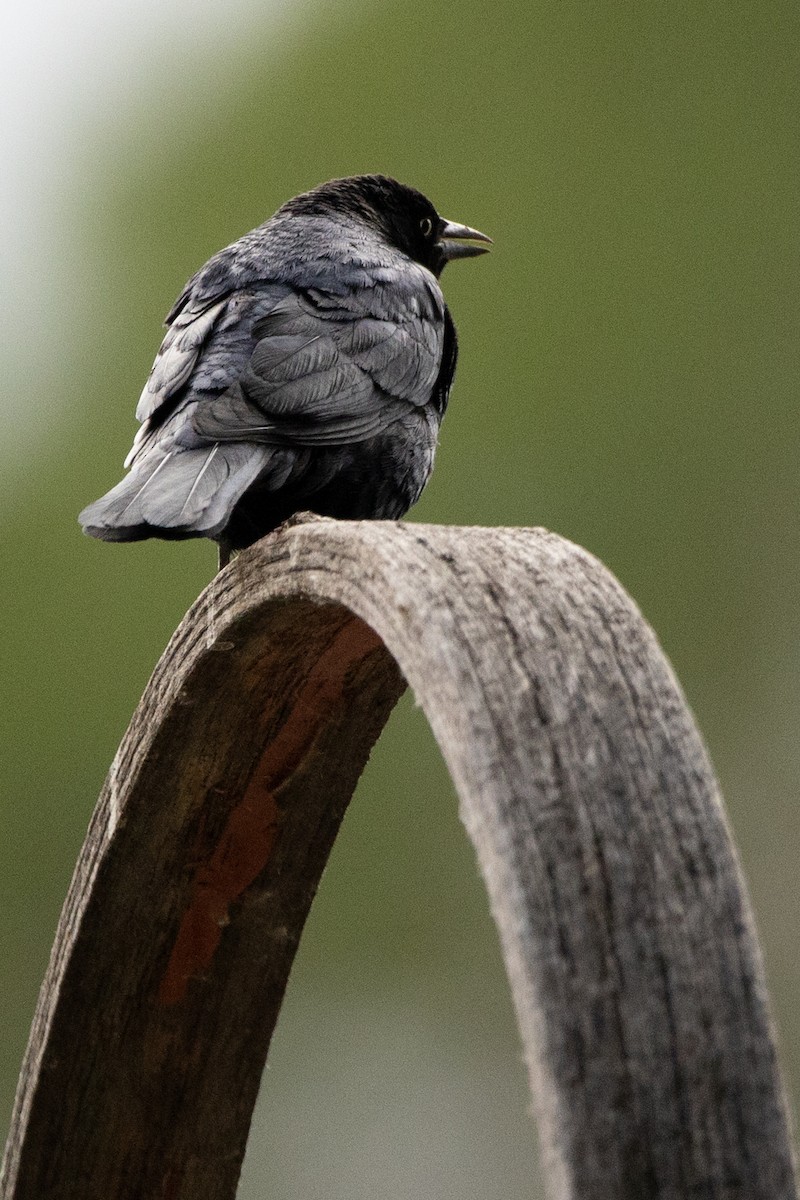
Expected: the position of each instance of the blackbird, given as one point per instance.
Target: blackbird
(306, 366)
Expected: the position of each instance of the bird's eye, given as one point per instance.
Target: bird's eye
(426, 225)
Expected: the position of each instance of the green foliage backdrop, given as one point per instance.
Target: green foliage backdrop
(628, 378)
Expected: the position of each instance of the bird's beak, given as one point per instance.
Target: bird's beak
(450, 245)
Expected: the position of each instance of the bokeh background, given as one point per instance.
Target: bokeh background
(628, 378)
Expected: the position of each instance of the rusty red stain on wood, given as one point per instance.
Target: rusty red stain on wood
(248, 839)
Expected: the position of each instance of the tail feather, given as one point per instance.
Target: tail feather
(176, 493)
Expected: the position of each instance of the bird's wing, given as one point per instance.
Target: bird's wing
(177, 355)
(325, 368)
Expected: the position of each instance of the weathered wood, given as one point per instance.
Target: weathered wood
(598, 826)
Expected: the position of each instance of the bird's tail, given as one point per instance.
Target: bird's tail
(176, 493)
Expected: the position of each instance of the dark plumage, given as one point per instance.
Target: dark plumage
(306, 366)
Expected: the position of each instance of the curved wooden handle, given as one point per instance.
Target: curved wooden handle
(583, 784)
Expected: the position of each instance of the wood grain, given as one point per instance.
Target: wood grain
(584, 786)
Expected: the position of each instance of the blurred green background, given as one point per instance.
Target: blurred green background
(628, 378)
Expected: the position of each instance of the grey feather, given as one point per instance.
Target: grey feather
(184, 492)
(177, 356)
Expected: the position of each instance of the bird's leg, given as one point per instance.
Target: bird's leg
(224, 555)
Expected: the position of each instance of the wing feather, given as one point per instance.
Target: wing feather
(325, 369)
(177, 357)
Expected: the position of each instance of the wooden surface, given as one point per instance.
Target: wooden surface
(595, 815)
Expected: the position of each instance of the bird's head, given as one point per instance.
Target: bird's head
(405, 217)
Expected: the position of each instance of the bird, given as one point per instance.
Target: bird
(306, 366)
